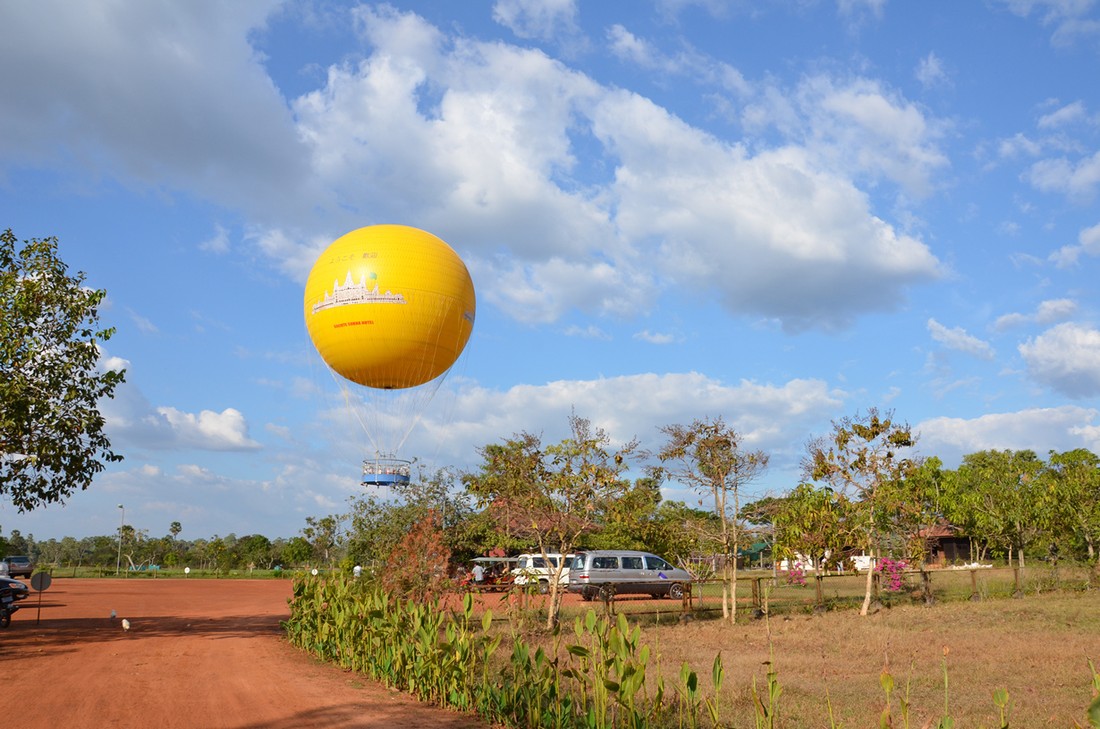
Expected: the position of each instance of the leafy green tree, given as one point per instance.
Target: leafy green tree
(708, 457)
(133, 545)
(17, 543)
(52, 439)
(859, 458)
(1006, 501)
(1075, 479)
(552, 495)
(324, 536)
(679, 532)
(630, 522)
(814, 523)
(376, 526)
(911, 506)
(297, 551)
(254, 550)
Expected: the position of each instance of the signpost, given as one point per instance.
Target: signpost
(40, 582)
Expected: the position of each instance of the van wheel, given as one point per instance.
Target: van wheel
(544, 587)
(676, 592)
(5, 618)
(586, 595)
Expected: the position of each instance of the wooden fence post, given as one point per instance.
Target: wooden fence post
(607, 594)
(975, 596)
(926, 585)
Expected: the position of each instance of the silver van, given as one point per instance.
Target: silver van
(606, 572)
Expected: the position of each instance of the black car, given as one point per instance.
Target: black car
(17, 589)
(20, 565)
(11, 592)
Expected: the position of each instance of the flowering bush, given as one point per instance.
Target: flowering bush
(796, 574)
(892, 572)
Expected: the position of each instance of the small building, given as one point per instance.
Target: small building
(946, 544)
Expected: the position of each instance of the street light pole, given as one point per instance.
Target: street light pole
(118, 562)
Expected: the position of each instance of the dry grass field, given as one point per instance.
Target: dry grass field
(1036, 648)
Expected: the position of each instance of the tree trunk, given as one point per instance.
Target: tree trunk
(865, 608)
(554, 607)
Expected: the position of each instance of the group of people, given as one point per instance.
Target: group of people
(482, 575)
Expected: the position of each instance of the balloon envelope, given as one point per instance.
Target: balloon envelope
(389, 306)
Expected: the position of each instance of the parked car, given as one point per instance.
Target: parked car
(20, 565)
(11, 592)
(534, 568)
(606, 572)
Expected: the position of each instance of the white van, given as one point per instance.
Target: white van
(534, 568)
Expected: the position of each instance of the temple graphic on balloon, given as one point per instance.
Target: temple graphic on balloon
(355, 293)
(390, 308)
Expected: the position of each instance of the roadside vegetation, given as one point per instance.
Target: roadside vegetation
(995, 663)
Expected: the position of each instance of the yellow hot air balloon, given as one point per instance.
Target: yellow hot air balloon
(390, 307)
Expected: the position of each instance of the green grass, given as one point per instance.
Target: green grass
(167, 573)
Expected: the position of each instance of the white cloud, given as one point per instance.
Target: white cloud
(143, 324)
(931, 72)
(749, 226)
(541, 19)
(958, 339)
(858, 128)
(849, 7)
(484, 144)
(217, 243)
(1048, 312)
(1078, 180)
(174, 108)
(589, 332)
(689, 62)
(487, 165)
(1038, 429)
(656, 337)
(1018, 145)
(775, 418)
(859, 12)
(132, 423)
(1065, 358)
(1067, 17)
(209, 430)
(1088, 242)
(1065, 115)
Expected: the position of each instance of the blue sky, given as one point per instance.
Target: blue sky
(777, 213)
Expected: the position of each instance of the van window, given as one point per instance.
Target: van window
(656, 563)
(578, 562)
(605, 563)
(632, 563)
(537, 562)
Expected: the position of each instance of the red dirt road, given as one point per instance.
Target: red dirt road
(199, 654)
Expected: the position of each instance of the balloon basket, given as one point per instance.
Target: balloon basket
(386, 471)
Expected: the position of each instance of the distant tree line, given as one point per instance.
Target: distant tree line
(864, 492)
(139, 551)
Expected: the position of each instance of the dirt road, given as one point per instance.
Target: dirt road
(198, 654)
